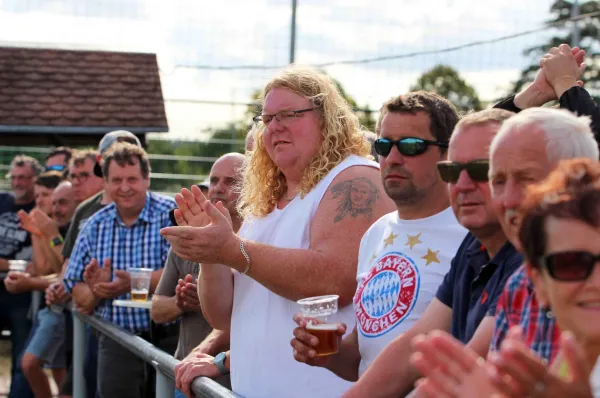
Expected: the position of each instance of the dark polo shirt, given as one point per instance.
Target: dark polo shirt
(474, 283)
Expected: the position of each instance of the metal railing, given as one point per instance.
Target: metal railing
(160, 360)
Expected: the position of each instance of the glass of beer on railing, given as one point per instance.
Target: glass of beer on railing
(140, 283)
(316, 310)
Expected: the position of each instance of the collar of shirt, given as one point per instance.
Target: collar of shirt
(479, 258)
(148, 214)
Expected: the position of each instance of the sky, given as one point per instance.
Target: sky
(186, 34)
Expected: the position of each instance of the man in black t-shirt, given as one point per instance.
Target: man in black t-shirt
(15, 243)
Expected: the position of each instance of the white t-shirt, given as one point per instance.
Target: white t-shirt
(595, 379)
(401, 263)
(262, 360)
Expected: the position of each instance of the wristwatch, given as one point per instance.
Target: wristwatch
(220, 363)
(57, 240)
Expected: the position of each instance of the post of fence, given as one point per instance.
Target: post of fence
(165, 387)
(163, 363)
(78, 357)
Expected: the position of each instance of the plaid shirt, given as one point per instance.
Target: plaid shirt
(138, 246)
(519, 306)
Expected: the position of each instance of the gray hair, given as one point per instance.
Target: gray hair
(24, 160)
(567, 136)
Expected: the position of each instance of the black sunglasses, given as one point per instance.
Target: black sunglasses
(409, 146)
(477, 170)
(570, 266)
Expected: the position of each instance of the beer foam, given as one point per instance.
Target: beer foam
(322, 326)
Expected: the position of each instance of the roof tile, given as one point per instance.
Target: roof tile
(24, 98)
(80, 88)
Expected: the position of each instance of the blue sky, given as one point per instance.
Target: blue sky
(234, 32)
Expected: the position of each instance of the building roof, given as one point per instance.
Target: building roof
(79, 92)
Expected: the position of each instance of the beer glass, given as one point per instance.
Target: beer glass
(316, 310)
(17, 265)
(140, 283)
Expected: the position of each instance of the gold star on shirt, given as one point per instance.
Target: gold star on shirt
(431, 257)
(413, 240)
(373, 257)
(390, 239)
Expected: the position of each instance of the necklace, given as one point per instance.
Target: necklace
(289, 199)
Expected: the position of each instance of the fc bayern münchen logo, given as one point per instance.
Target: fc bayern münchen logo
(387, 294)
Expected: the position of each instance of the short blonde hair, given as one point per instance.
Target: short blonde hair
(493, 115)
(264, 184)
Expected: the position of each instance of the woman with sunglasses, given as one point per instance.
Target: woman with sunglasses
(559, 235)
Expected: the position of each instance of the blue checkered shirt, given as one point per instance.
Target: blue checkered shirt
(104, 235)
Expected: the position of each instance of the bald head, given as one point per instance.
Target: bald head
(63, 203)
(225, 175)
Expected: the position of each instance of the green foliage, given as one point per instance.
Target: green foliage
(365, 116)
(446, 82)
(589, 33)
(210, 149)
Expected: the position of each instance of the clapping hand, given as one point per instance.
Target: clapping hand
(186, 294)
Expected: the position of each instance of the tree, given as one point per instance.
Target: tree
(365, 115)
(589, 33)
(445, 81)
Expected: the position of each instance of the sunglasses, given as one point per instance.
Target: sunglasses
(56, 167)
(476, 169)
(570, 266)
(409, 146)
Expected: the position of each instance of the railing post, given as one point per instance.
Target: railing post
(165, 387)
(36, 301)
(78, 356)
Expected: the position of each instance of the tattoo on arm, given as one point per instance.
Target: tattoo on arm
(356, 197)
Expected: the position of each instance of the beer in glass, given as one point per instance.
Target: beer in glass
(140, 283)
(316, 310)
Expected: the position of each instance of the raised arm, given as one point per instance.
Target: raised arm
(537, 93)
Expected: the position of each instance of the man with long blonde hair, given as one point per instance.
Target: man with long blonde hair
(300, 235)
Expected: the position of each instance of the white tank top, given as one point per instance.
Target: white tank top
(262, 361)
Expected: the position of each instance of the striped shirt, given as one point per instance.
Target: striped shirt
(137, 246)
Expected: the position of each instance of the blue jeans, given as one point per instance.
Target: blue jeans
(13, 316)
(47, 340)
(179, 394)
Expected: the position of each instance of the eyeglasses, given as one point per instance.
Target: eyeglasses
(56, 167)
(81, 177)
(409, 146)
(281, 117)
(20, 178)
(570, 266)
(476, 169)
